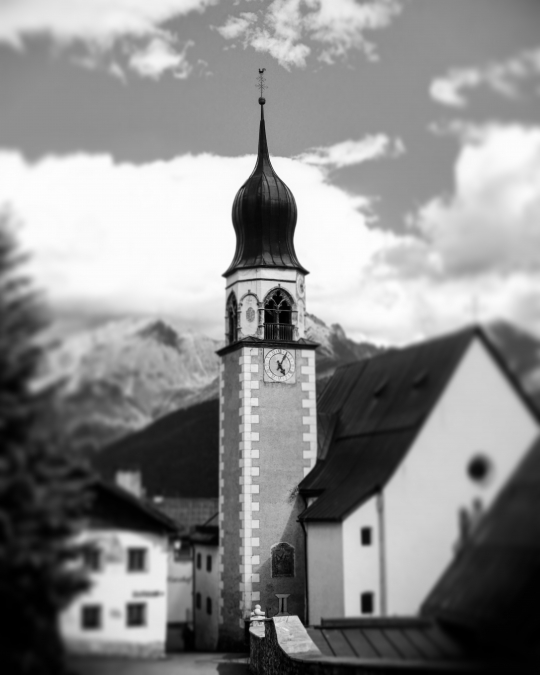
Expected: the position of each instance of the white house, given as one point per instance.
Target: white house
(179, 594)
(205, 541)
(414, 444)
(186, 513)
(125, 609)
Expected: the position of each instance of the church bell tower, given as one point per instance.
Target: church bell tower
(268, 432)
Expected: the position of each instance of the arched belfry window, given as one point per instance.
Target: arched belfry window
(232, 319)
(278, 316)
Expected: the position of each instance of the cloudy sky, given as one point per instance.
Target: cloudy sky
(408, 131)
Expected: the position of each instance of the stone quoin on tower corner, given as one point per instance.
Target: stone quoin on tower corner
(268, 427)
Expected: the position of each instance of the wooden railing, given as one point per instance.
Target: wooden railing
(278, 331)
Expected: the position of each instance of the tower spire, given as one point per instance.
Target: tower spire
(264, 212)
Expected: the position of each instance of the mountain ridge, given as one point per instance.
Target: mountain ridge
(178, 454)
(122, 376)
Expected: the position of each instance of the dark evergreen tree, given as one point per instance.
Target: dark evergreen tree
(42, 496)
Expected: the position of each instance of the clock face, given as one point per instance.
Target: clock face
(279, 365)
(300, 286)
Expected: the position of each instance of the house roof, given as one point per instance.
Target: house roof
(492, 587)
(114, 506)
(370, 413)
(400, 640)
(187, 512)
(207, 534)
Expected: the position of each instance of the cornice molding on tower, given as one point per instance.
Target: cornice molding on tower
(252, 341)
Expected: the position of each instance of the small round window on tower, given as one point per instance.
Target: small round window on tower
(480, 468)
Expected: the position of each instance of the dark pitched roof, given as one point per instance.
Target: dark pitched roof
(207, 534)
(492, 588)
(113, 506)
(370, 413)
(187, 512)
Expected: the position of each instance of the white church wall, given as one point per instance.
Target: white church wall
(478, 413)
(361, 561)
(325, 571)
(113, 588)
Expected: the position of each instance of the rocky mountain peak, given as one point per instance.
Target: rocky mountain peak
(123, 375)
(161, 333)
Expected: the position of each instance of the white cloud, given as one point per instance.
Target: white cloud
(334, 27)
(236, 26)
(160, 56)
(492, 222)
(100, 24)
(504, 78)
(480, 245)
(348, 153)
(147, 239)
(128, 239)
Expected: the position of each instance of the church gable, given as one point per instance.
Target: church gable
(377, 408)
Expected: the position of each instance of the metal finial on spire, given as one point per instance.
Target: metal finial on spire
(261, 84)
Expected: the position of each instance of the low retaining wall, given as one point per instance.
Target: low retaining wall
(274, 642)
(150, 650)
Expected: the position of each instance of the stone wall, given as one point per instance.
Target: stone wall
(282, 646)
(149, 650)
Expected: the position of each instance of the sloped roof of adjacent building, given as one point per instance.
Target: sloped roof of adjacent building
(112, 506)
(369, 415)
(207, 534)
(399, 642)
(492, 587)
(187, 512)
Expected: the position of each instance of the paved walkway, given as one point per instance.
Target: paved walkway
(194, 663)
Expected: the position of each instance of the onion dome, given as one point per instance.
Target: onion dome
(264, 217)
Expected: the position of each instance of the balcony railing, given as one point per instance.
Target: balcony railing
(278, 331)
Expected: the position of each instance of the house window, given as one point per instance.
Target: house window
(366, 603)
(208, 563)
(209, 605)
(137, 560)
(199, 561)
(180, 550)
(91, 617)
(365, 536)
(198, 600)
(136, 614)
(92, 559)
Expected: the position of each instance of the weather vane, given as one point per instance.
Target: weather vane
(261, 84)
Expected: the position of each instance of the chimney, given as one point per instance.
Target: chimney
(130, 480)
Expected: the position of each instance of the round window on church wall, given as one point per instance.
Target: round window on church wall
(480, 469)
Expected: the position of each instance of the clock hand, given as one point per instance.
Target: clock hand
(280, 367)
